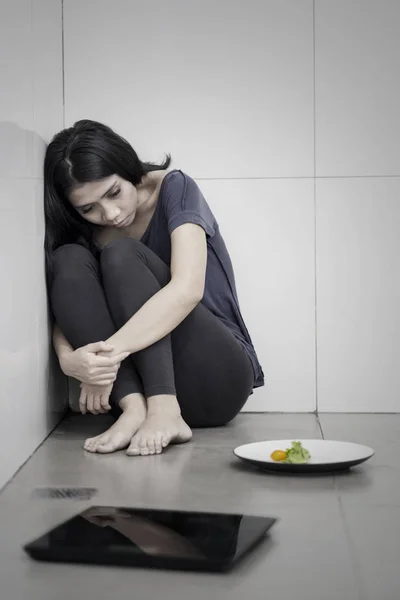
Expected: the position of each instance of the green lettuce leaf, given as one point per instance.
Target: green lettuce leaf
(297, 454)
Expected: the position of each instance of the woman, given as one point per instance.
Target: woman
(142, 292)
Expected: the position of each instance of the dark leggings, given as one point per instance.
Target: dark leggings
(201, 362)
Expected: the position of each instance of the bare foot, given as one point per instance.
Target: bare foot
(163, 426)
(120, 433)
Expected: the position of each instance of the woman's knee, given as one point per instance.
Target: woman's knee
(72, 259)
(211, 420)
(224, 415)
(212, 410)
(118, 254)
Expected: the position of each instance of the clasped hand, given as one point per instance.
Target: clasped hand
(96, 368)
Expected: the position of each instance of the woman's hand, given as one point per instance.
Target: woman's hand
(95, 398)
(88, 367)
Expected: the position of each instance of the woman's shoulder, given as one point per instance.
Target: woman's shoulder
(176, 178)
(173, 184)
(159, 176)
(155, 181)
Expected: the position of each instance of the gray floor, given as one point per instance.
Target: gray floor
(338, 538)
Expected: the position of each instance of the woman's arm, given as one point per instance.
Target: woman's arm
(61, 344)
(162, 313)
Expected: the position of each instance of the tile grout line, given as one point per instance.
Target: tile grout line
(320, 426)
(14, 475)
(62, 60)
(63, 101)
(297, 177)
(33, 65)
(315, 229)
(11, 178)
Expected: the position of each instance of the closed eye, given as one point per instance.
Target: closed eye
(115, 193)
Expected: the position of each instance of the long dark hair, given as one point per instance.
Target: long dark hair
(86, 152)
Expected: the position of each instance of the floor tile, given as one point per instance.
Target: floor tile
(376, 482)
(377, 430)
(374, 534)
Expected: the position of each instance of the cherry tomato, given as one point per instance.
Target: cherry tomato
(278, 455)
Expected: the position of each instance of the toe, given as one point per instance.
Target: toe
(157, 443)
(151, 445)
(143, 447)
(90, 449)
(87, 443)
(133, 449)
(90, 444)
(165, 439)
(100, 441)
(116, 442)
(109, 445)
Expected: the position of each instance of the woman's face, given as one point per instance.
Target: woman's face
(108, 202)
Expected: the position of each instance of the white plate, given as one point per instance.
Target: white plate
(326, 455)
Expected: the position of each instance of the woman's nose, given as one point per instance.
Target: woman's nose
(111, 213)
